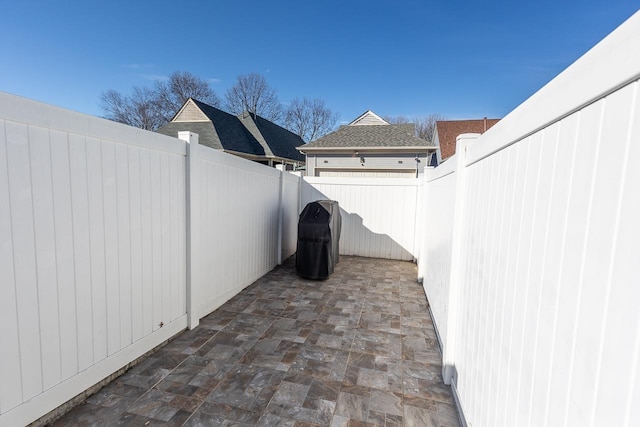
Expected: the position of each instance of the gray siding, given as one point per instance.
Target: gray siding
(322, 164)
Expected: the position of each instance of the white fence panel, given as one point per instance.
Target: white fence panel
(11, 384)
(74, 260)
(434, 264)
(238, 220)
(547, 307)
(378, 215)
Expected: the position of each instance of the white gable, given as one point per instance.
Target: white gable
(368, 118)
(190, 113)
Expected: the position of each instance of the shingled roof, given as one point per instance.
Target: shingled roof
(246, 134)
(447, 131)
(370, 136)
(279, 141)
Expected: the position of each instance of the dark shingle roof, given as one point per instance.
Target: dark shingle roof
(281, 142)
(402, 135)
(243, 134)
(223, 131)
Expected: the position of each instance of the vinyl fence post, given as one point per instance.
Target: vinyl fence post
(457, 254)
(417, 223)
(193, 225)
(421, 222)
(280, 216)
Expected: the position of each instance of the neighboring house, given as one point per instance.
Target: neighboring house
(246, 135)
(369, 147)
(446, 132)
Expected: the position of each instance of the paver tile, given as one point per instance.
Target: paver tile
(357, 349)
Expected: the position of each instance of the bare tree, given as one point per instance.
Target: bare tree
(397, 120)
(173, 93)
(150, 108)
(114, 106)
(138, 110)
(424, 125)
(252, 93)
(309, 118)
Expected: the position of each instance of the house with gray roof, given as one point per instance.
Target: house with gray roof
(246, 135)
(369, 147)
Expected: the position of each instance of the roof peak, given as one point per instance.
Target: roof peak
(368, 118)
(190, 111)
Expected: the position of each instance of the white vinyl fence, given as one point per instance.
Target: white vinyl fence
(378, 214)
(533, 271)
(239, 216)
(102, 258)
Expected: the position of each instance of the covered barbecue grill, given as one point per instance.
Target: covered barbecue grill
(318, 237)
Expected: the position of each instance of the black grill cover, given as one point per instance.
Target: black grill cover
(318, 238)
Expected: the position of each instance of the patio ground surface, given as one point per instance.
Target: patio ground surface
(358, 349)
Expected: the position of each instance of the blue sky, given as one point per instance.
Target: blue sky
(459, 59)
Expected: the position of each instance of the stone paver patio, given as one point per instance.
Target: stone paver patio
(358, 349)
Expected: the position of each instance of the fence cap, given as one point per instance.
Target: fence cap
(467, 136)
(188, 136)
